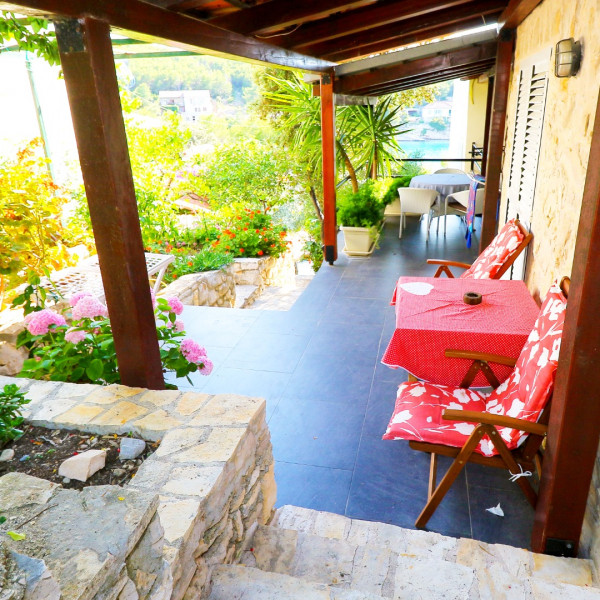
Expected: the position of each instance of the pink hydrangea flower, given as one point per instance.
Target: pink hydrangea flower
(75, 298)
(153, 296)
(75, 336)
(206, 368)
(178, 326)
(175, 304)
(192, 351)
(40, 321)
(89, 307)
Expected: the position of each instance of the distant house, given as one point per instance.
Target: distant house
(436, 110)
(188, 103)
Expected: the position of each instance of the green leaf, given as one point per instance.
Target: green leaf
(17, 537)
(95, 369)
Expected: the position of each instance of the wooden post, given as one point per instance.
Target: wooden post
(328, 148)
(486, 127)
(504, 57)
(574, 427)
(89, 70)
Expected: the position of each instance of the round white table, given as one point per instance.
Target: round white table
(444, 184)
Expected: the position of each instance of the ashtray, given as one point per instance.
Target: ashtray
(472, 298)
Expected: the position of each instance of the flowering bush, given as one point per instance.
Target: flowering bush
(84, 350)
(250, 232)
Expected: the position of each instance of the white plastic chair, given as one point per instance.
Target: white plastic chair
(457, 204)
(416, 201)
(449, 170)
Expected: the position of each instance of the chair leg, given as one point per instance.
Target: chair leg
(428, 226)
(453, 472)
(432, 475)
(401, 225)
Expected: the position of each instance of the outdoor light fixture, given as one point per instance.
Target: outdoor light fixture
(567, 58)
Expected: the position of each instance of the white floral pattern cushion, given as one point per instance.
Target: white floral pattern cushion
(490, 261)
(419, 406)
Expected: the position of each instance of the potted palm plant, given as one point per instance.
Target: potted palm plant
(360, 214)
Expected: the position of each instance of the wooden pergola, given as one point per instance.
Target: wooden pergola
(331, 38)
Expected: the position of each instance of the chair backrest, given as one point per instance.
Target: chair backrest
(502, 252)
(528, 389)
(449, 170)
(416, 200)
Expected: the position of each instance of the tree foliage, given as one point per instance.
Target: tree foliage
(30, 34)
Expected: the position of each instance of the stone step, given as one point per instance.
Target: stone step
(330, 545)
(245, 295)
(236, 582)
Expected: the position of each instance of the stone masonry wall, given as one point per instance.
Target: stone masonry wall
(213, 473)
(210, 288)
(566, 136)
(279, 272)
(563, 162)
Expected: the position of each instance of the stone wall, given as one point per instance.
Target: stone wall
(210, 288)
(267, 271)
(212, 473)
(568, 126)
(217, 288)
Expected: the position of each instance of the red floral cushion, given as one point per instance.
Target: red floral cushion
(490, 261)
(419, 406)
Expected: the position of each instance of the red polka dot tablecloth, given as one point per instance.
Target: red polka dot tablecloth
(432, 317)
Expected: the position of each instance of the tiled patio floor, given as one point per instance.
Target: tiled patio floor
(329, 398)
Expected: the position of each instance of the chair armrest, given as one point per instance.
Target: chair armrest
(447, 263)
(482, 356)
(470, 416)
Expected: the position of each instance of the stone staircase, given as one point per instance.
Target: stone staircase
(310, 555)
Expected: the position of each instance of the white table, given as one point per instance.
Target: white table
(444, 184)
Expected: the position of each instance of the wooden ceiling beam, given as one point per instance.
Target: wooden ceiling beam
(282, 13)
(462, 57)
(516, 12)
(154, 24)
(417, 29)
(362, 19)
(420, 81)
(412, 38)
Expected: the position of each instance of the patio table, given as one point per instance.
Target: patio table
(86, 275)
(432, 317)
(444, 184)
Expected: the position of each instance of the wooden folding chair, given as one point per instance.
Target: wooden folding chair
(496, 259)
(497, 439)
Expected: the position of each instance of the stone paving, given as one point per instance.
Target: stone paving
(308, 554)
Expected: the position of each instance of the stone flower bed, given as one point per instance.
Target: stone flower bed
(192, 504)
(217, 288)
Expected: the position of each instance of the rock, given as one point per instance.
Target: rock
(66, 480)
(83, 466)
(131, 448)
(11, 358)
(119, 472)
(7, 455)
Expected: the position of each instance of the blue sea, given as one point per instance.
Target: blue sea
(426, 148)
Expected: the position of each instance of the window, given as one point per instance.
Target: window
(529, 123)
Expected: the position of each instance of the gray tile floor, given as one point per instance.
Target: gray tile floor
(329, 398)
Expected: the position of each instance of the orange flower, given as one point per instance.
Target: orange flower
(241, 250)
(260, 252)
(190, 263)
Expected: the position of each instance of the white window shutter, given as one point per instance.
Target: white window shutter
(529, 122)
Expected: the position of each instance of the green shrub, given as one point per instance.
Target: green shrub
(207, 259)
(11, 404)
(361, 209)
(392, 192)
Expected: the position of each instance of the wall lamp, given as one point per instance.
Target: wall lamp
(567, 58)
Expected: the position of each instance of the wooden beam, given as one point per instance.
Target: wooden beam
(281, 13)
(407, 31)
(516, 12)
(348, 84)
(360, 51)
(407, 84)
(362, 19)
(415, 82)
(154, 24)
(574, 426)
(91, 80)
(328, 149)
(486, 127)
(504, 58)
